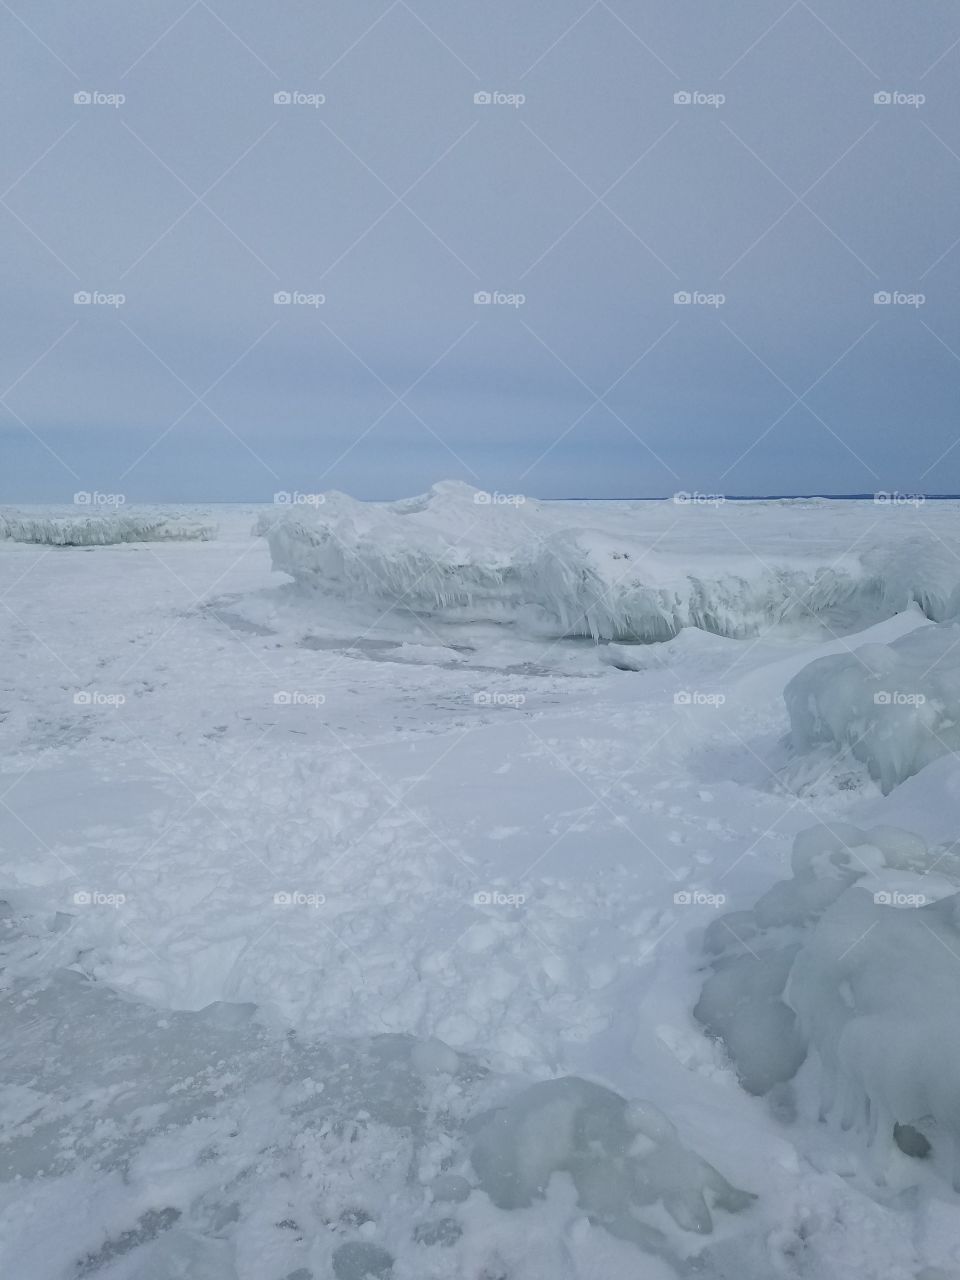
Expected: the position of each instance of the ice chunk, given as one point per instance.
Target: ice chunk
(895, 707)
(622, 1156)
(458, 554)
(877, 994)
(96, 530)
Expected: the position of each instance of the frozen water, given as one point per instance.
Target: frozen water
(622, 1156)
(562, 569)
(895, 707)
(98, 530)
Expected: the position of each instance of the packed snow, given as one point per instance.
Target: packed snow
(439, 930)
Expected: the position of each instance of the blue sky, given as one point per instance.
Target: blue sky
(782, 197)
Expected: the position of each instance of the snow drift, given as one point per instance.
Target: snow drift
(103, 530)
(853, 961)
(578, 569)
(895, 707)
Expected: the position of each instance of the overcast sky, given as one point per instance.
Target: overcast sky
(782, 197)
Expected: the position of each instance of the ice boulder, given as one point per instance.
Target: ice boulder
(854, 964)
(894, 707)
(623, 1157)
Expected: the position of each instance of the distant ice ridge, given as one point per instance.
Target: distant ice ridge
(895, 707)
(853, 961)
(96, 530)
(577, 569)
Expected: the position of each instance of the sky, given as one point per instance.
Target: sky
(720, 246)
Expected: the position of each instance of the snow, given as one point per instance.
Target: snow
(895, 707)
(335, 925)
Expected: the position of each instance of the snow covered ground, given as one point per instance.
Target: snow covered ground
(307, 875)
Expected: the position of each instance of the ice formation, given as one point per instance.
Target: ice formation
(623, 1158)
(566, 569)
(854, 961)
(895, 707)
(103, 530)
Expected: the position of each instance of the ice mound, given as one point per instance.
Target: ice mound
(852, 961)
(556, 569)
(623, 1157)
(894, 707)
(103, 530)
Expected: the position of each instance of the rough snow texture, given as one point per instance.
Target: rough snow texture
(102, 530)
(569, 569)
(895, 707)
(854, 958)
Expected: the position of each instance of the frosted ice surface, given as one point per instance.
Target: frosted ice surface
(894, 707)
